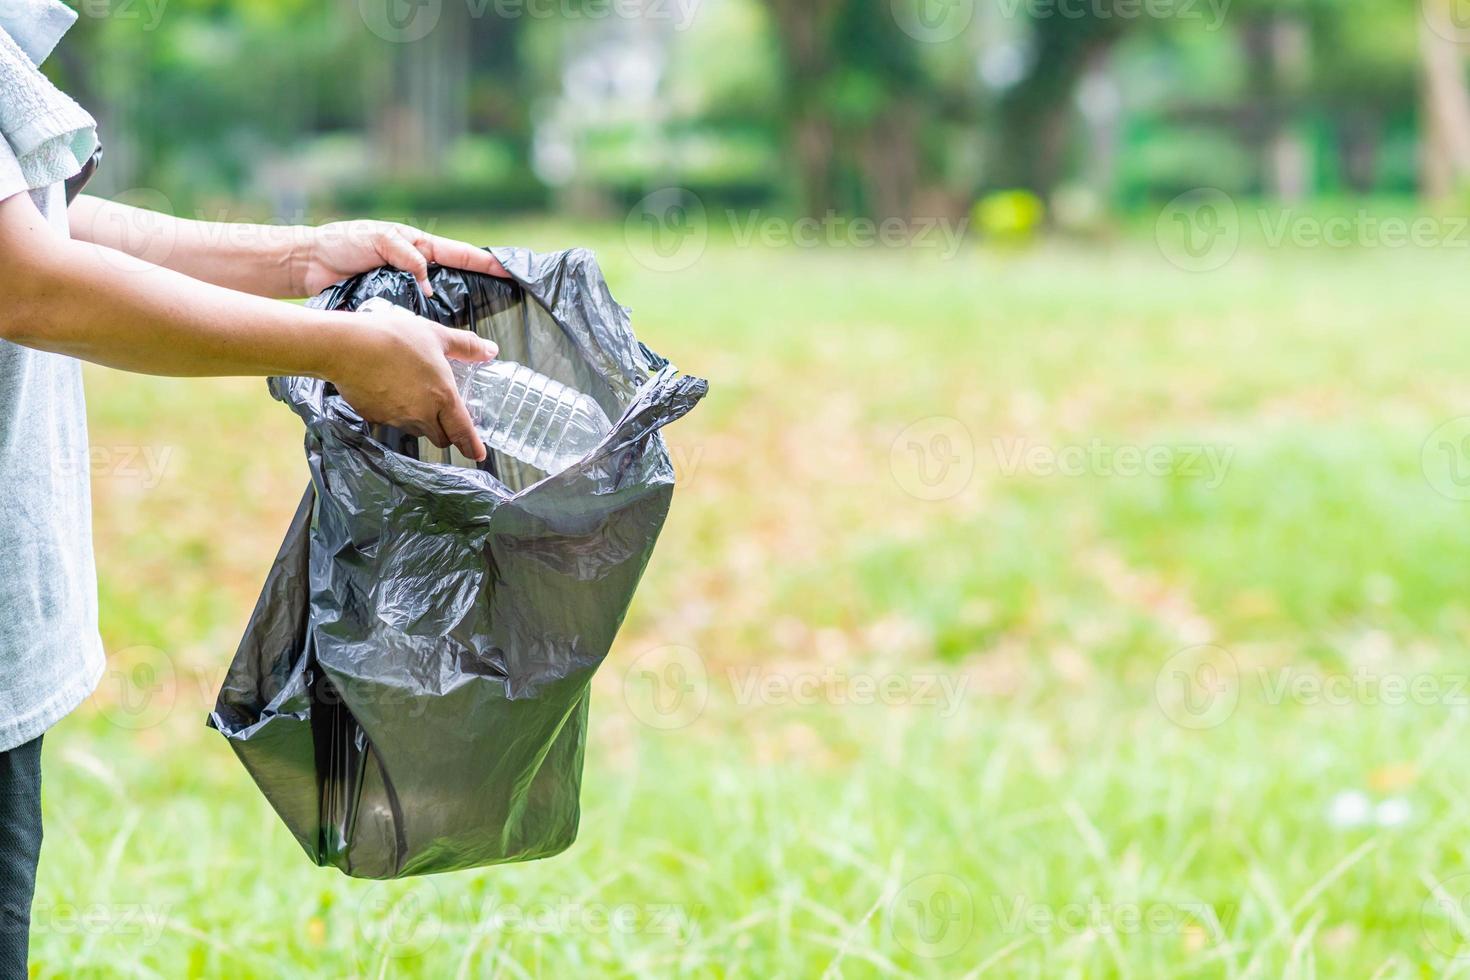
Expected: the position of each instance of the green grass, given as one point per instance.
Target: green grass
(1030, 793)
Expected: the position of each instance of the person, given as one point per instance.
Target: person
(100, 282)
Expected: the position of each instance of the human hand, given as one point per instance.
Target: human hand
(333, 252)
(395, 371)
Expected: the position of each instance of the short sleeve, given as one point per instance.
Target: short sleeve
(12, 180)
(49, 200)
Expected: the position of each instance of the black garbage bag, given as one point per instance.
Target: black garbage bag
(411, 691)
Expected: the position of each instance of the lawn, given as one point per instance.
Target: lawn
(1027, 613)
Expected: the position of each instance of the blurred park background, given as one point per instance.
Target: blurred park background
(876, 108)
(1067, 574)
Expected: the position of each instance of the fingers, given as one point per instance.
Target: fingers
(460, 255)
(430, 429)
(460, 430)
(452, 425)
(435, 434)
(466, 345)
(453, 254)
(411, 250)
(400, 253)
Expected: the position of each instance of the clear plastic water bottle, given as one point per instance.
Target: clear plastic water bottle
(528, 416)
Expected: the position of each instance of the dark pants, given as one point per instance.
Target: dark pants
(20, 849)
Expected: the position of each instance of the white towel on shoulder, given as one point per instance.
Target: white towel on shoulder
(51, 136)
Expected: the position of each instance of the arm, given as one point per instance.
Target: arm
(281, 261)
(92, 302)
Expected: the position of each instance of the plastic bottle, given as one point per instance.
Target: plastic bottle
(535, 419)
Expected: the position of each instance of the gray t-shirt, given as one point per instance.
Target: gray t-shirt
(50, 653)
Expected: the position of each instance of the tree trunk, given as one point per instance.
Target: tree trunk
(1278, 52)
(804, 29)
(1035, 116)
(423, 97)
(1445, 106)
(814, 147)
(888, 160)
(1359, 134)
(1102, 114)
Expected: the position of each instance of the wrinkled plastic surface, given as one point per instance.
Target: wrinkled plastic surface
(411, 692)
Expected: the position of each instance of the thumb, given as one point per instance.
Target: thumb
(466, 345)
